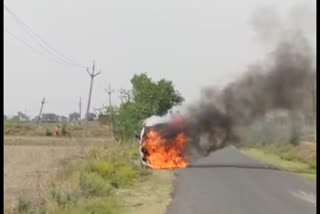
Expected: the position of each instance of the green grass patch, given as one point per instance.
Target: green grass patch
(92, 184)
(284, 158)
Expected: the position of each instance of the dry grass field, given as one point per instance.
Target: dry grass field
(31, 163)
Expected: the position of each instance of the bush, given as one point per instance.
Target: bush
(92, 184)
(102, 167)
(124, 175)
(48, 133)
(25, 206)
(118, 173)
(63, 199)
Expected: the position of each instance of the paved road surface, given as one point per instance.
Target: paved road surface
(228, 182)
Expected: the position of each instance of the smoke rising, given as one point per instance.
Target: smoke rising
(285, 81)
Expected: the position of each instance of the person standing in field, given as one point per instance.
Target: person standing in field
(57, 131)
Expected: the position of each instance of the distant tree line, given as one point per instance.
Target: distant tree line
(48, 118)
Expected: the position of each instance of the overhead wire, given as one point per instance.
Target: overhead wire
(31, 47)
(43, 44)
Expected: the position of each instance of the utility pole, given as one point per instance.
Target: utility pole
(80, 112)
(121, 96)
(109, 91)
(42, 103)
(92, 76)
(124, 95)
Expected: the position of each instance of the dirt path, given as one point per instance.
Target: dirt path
(28, 169)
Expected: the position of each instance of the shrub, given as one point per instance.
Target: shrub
(102, 167)
(25, 206)
(63, 199)
(124, 175)
(118, 173)
(48, 132)
(92, 184)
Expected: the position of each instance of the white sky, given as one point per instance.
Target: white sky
(193, 43)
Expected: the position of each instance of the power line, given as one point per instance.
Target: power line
(35, 36)
(39, 40)
(31, 47)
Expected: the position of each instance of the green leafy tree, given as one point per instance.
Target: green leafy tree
(20, 117)
(154, 98)
(91, 116)
(49, 118)
(148, 98)
(75, 116)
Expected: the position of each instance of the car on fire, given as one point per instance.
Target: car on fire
(166, 129)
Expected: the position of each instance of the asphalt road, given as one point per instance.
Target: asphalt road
(228, 182)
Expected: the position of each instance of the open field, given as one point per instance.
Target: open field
(30, 164)
(47, 129)
(35, 167)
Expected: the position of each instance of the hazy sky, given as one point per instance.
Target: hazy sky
(193, 43)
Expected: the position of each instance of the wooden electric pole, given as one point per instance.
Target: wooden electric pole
(109, 91)
(92, 76)
(124, 95)
(42, 103)
(80, 111)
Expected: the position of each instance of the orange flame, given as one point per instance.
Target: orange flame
(165, 153)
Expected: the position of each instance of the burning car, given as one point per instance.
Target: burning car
(162, 146)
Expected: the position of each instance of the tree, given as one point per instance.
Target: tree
(154, 98)
(20, 117)
(147, 98)
(35, 119)
(50, 118)
(23, 117)
(75, 116)
(91, 116)
(63, 118)
(5, 117)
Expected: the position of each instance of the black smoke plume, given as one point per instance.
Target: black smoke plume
(285, 81)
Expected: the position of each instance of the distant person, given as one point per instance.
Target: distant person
(57, 131)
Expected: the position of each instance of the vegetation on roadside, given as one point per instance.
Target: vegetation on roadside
(282, 142)
(146, 98)
(300, 159)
